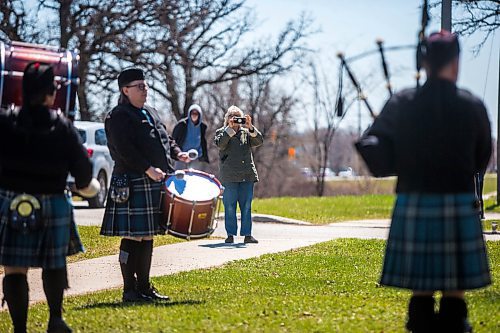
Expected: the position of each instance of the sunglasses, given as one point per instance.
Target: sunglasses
(140, 86)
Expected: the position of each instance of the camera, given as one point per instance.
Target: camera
(240, 120)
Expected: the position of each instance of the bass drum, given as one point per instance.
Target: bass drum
(15, 56)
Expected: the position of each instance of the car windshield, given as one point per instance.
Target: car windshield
(83, 135)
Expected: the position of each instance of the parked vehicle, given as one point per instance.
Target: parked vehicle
(346, 173)
(308, 173)
(94, 139)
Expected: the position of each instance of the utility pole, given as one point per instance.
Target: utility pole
(446, 15)
(498, 135)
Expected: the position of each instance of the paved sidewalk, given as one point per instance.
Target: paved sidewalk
(104, 273)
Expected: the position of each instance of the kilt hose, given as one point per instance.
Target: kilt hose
(141, 215)
(46, 247)
(436, 243)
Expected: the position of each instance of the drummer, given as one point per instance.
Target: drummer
(143, 151)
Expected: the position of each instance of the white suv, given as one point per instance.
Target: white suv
(94, 139)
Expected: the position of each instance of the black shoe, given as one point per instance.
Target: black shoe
(58, 326)
(250, 240)
(153, 294)
(135, 296)
(229, 239)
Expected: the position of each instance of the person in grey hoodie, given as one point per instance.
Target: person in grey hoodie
(189, 133)
(237, 170)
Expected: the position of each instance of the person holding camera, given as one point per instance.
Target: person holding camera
(238, 174)
(189, 134)
(36, 216)
(143, 152)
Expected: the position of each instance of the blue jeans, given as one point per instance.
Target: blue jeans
(241, 193)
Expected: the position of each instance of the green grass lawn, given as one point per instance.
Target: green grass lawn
(99, 246)
(490, 183)
(328, 287)
(323, 210)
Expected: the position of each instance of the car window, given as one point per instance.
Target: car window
(100, 137)
(83, 135)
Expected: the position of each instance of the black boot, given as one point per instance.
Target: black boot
(421, 316)
(55, 281)
(143, 268)
(129, 252)
(15, 292)
(453, 315)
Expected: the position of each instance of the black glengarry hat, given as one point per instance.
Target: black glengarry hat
(128, 75)
(439, 48)
(38, 80)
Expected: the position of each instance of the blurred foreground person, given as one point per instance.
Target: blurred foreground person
(435, 139)
(36, 217)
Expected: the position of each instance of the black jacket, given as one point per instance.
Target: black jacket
(136, 143)
(179, 135)
(440, 137)
(38, 148)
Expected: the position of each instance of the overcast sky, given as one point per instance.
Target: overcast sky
(353, 26)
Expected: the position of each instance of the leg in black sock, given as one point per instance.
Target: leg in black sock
(421, 316)
(15, 291)
(143, 265)
(127, 257)
(143, 270)
(55, 281)
(453, 315)
(130, 251)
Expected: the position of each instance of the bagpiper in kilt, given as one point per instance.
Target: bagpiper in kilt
(37, 228)
(143, 151)
(435, 139)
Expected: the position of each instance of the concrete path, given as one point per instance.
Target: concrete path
(275, 234)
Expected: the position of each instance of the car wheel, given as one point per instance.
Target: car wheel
(100, 199)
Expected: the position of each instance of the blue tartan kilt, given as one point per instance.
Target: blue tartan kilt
(141, 215)
(46, 247)
(436, 243)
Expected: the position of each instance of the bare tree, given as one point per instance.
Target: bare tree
(475, 16)
(16, 23)
(104, 33)
(199, 43)
(326, 120)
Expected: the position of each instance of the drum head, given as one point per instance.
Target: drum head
(194, 186)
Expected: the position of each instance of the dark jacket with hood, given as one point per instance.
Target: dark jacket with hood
(180, 133)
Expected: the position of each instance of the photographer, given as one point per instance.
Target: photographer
(237, 170)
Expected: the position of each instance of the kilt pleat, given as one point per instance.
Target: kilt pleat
(46, 247)
(141, 215)
(436, 243)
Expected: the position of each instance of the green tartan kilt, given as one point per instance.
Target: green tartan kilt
(46, 247)
(141, 215)
(436, 243)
